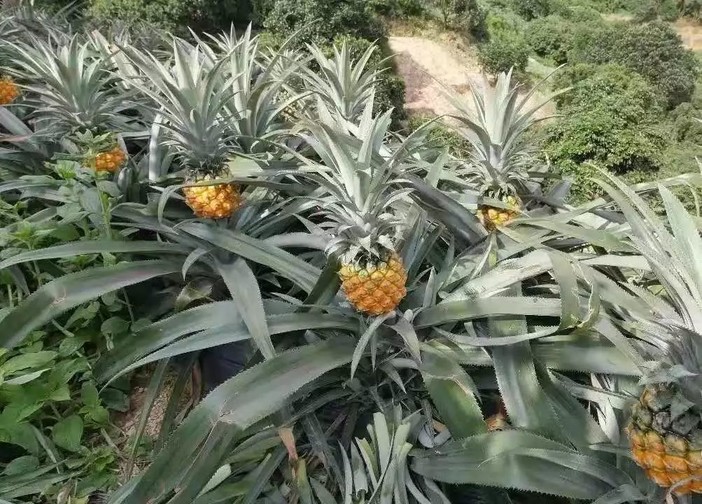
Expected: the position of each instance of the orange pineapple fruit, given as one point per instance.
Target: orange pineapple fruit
(9, 91)
(374, 287)
(492, 217)
(108, 161)
(217, 201)
(669, 451)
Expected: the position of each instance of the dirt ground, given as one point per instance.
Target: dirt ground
(430, 66)
(691, 33)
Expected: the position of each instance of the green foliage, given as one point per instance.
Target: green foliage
(687, 123)
(463, 15)
(580, 14)
(174, 15)
(550, 37)
(333, 405)
(650, 10)
(654, 50)
(320, 21)
(609, 118)
(530, 9)
(47, 387)
(398, 8)
(692, 9)
(500, 54)
(594, 43)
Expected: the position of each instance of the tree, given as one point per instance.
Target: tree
(530, 9)
(656, 51)
(322, 20)
(463, 15)
(610, 118)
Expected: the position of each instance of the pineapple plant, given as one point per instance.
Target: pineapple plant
(665, 427)
(190, 92)
(75, 98)
(364, 224)
(9, 91)
(494, 124)
(504, 191)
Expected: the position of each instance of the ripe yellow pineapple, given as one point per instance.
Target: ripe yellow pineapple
(666, 439)
(363, 209)
(492, 217)
(216, 201)
(374, 286)
(665, 427)
(108, 161)
(101, 152)
(9, 91)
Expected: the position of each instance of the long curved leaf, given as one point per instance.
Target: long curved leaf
(302, 273)
(73, 289)
(94, 247)
(230, 409)
(520, 460)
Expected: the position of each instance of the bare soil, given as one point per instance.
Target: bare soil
(430, 67)
(128, 422)
(690, 32)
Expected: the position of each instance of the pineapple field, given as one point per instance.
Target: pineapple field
(315, 302)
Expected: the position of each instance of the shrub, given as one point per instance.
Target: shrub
(594, 43)
(609, 118)
(581, 14)
(692, 8)
(504, 23)
(174, 15)
(390, 93)
(687, 125)
(656, 51)
(530, 9)
(612, 83)
(550, 37)
(398, 8)
(500, 54)
(322, 20)
(657, 9)
(464, 15)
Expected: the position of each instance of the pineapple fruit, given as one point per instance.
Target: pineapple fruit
(374, 286)
(9, 91)
(362, 209)
(216, 201)
(667, 446)
(101, 152)
(492, 217)
(108, 161)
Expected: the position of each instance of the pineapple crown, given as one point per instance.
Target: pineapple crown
(494, 123)
(73, 88)
(357, 170)
(189, 93)
(341, 82)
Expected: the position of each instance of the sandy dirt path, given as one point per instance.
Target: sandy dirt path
(428, 67)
